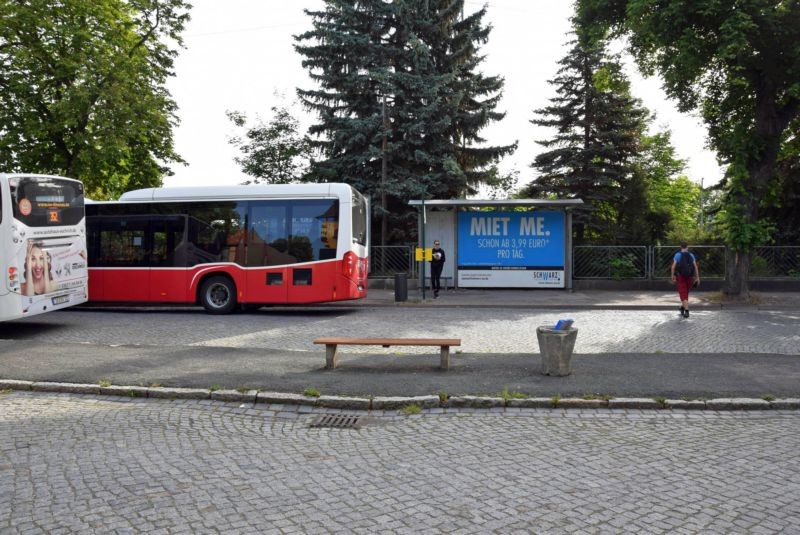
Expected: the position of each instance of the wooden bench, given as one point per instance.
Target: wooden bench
(332, 346)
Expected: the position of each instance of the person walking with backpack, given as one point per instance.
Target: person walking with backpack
(684, 270)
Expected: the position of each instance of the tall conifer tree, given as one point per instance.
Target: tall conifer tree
(598, 127)
(397, 84)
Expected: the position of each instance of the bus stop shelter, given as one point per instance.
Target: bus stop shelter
(513, 243)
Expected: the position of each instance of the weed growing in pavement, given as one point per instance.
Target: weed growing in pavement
(311, 392)
(243, 389)
(555, 399)
(506, 395)
(589, 397)
(443, 397)
(411, 409)
(458, 351)
(133, 393)
(104, 383)
(768, 397)
(5, 391)
(214, 388)
(661, 400)
(659, 351)
(155, 385)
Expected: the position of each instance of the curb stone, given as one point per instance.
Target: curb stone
(393, 403)
(694, 404)
(735, 404)
(282, 398)
(65, 387)
(475, 402)
(336, 402)
(248, 396)
(786, 404)
(15, 385)
(531, 403)
(178, 393)
(579, 403)
(124, 391)
(634, 403)
(396, 403)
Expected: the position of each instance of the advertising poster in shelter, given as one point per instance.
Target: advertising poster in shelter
(511, 249)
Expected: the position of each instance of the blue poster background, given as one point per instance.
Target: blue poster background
(521, 240)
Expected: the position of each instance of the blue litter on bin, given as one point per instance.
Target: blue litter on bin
(564, 324)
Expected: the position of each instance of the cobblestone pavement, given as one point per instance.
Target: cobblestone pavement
(72, 464)
(481, 330)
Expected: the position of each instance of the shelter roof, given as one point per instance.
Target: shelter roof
(543, 203)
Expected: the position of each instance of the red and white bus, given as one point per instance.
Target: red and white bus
(226, 246)
(42, 244)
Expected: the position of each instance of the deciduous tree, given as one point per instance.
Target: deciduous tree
(738, 63)
(82, 90)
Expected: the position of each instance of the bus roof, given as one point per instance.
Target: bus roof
(343, 191)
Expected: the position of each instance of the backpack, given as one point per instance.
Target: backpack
(685, 266)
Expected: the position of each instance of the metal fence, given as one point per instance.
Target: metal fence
(710, 259)
(388, 260)
(775, 262)
(626, 262)
(609, 262)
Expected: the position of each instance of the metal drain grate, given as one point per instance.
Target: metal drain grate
(339, 421)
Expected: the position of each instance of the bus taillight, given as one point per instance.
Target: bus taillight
(349, 264)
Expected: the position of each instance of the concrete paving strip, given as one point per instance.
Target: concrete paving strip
(402, 403)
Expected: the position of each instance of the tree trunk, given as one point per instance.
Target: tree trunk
(738, 275)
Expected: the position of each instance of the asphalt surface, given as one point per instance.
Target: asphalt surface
(620, 352)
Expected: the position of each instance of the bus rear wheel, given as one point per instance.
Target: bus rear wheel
(218, 295)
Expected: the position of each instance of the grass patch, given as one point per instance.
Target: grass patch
(506, 395)
(768, 397)
(554, 400)
(243, 389)
(589, 397)
(133, 393)
(411, 409)
(311, 392)
(5, 391)
(458, 351)
(214, 388)
(659, 351)
(104, 383)
(443, 397)
(661, 400)
(155, 385)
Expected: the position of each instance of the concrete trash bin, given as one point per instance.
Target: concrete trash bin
(556, 348)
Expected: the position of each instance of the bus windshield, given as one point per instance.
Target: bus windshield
(46, 201)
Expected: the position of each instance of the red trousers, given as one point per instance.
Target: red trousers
(684, 283)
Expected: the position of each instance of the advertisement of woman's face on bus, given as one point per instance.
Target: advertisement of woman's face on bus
(51, 271)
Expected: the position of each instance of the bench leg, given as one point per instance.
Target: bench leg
(445, 358)
(331, 355)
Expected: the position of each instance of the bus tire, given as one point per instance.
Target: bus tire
(218, 295)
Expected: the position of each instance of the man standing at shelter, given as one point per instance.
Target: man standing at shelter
(437, 264)
(684, 271)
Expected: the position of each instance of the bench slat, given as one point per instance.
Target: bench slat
(390, 341)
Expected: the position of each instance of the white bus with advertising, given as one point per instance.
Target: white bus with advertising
(42, 244)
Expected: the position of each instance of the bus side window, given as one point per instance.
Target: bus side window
(167, 236)
(122, 242)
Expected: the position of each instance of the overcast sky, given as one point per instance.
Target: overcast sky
(239, 56)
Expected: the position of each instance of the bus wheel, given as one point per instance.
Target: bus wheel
(218, 295)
